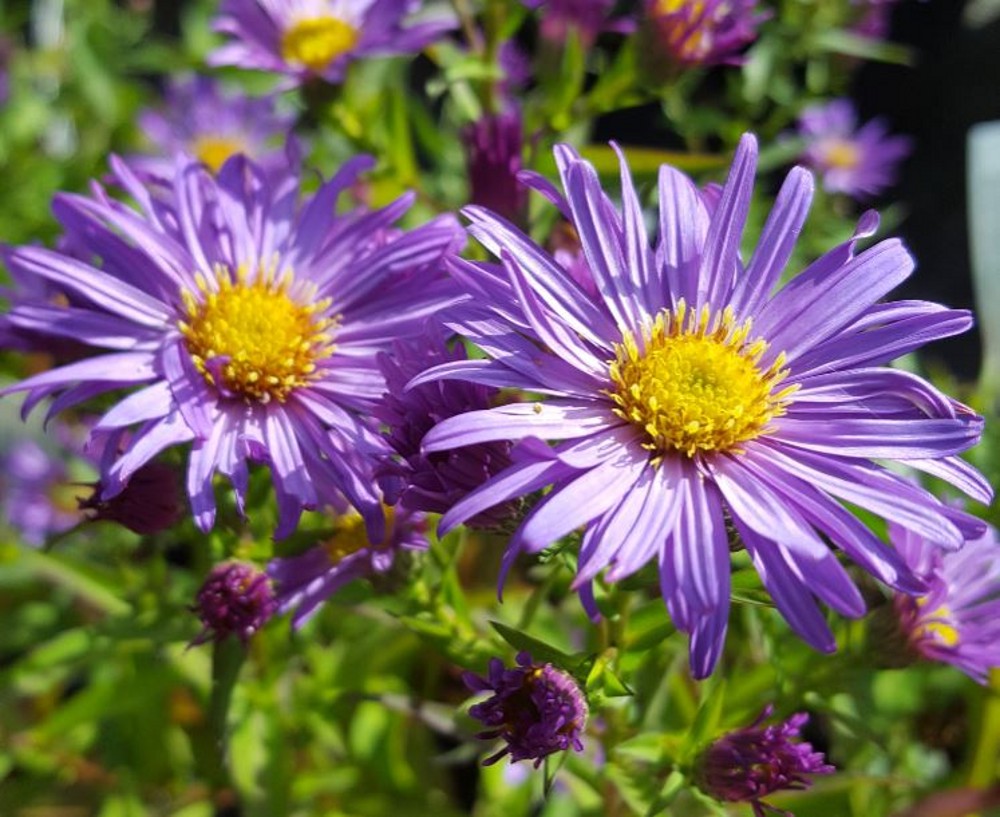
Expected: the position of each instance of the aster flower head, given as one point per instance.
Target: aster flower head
(957, 620)
(694, 395)
(205, 120)
(241, 321)
(317, 39)
(35, 491)
(306, 581)
(433, 482)
(751, 763)
(536, 709)
(704, 32)
(236, 599)
(857, 161)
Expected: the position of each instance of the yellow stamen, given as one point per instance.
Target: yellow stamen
(268, 343)
(350, 534)
(936, 626)
(694, 383)
(315, 42)
(841, 153)
(213, 151)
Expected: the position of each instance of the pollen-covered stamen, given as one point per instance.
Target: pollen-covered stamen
(935, 625)
(841, 153)
(250, 338)
(315, 42)
(693, 382)
(351, 536)
(213, 151)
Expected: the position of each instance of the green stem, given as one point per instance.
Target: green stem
(210, 740)
(983, 769)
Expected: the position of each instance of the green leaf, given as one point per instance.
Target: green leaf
(647, 161)
(838, 41)
(539, 650)
(709, 715)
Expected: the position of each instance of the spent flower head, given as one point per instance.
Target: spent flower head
(694, 395)
(535, 709)
(150, 502)
(748, 764)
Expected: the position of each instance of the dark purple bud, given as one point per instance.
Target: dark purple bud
(753, 762)
(149, 503)
(236, 599)
(535, 709)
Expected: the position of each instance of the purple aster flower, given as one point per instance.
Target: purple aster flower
(535, 709)
(306, 581)
(211, 123)
(958, 620)
(858, 162)
(246, 324)
(434, 482)
(690, 397)
(704, 32)
(308, 39)
(588, 18)
(236, 599)
(753, 762)
(875, 18)
(149, 503)
(35, 491)
(493, 159)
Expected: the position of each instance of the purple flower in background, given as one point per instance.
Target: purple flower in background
(704, 32)
(875, 18)
(306, 581)
(588, 18)
(751, 763)
(859, 162)
(690, 397)
(307, 39)
(35, 491)
(204, 120)
(535, 709)
(242, 322)
(434, 482)
(957, 620)
(493, 159)
(236, 599)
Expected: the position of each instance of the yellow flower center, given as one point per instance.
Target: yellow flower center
(249, 337)
(350, 534)
(842, 154)
(317, 41)
(694, 383)
(213, 151)
(936, 626)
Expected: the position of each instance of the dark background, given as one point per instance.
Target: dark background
(955, 84)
